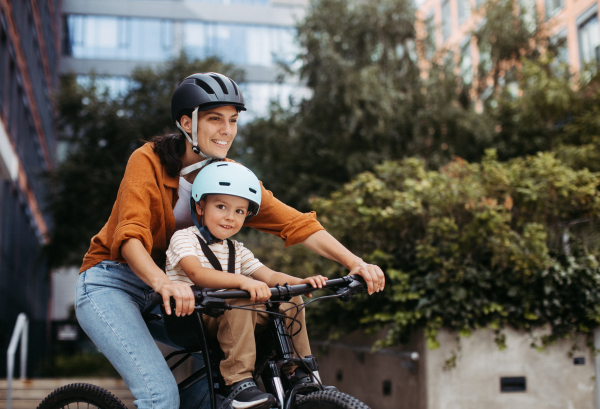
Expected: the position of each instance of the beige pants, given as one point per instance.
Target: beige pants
(235, 332)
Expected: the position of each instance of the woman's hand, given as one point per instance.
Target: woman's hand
(182, 294)
(144, 267)
(259, 291)
(326, 245)
(315, 281)
(371, 273)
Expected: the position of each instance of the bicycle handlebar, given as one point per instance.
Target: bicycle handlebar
(346, 286)
(285, 290)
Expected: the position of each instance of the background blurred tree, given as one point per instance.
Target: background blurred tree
(101, 131)
(368, 103)
(528, 91)
(370, 100)
(470, 246)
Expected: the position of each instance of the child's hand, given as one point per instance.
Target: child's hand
(315, 281)
(259, 291)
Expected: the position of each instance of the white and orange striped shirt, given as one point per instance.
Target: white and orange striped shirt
(184, 243)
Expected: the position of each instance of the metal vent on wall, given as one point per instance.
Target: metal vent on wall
(513, 384)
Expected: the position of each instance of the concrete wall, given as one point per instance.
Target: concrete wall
(552, 379)
(349, 364)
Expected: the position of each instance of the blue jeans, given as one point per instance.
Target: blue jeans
(109, 303)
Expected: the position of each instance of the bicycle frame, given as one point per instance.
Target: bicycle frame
(213, 303)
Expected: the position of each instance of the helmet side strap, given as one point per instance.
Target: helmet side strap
(195, 131)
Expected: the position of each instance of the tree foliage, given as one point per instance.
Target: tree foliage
(368, 103)
(373, 98)
(471, 246)
(99, 131)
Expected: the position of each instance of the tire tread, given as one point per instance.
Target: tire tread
(81, 392)
(329, 399)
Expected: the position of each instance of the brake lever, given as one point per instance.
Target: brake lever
(355, 287)
(211, 306)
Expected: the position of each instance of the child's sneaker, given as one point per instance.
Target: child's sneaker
(300, 376)
(245, 394)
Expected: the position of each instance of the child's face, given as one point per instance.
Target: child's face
(224, 215)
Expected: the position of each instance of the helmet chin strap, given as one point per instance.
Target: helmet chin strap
(206, 234)
(194, 141)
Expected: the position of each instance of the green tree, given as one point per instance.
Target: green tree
(368, 103)
(100, 131)
(470, 246)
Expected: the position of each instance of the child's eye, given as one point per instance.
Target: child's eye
(222, 207)
(240, 211)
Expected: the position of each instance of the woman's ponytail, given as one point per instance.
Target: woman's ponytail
(170, 148)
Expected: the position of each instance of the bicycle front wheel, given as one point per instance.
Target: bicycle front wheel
(81, 396)
(329, 400)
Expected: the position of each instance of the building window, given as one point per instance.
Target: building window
(446, 19)
(485, 59)
(259, 95)
(115, 86)
(464, 10)
(431, 31)
(242, 44)
(528, 12)
(118, 38)
(559, 46)
(553, 7)
(588, 35)
(466, 62)
(250, 2)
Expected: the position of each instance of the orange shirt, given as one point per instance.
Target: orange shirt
(144, 210)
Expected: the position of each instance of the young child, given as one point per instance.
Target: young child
(225, 195)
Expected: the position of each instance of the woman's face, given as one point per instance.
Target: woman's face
(216, 130)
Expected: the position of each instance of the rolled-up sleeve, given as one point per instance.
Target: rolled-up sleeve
(134, 206)
(283, 221)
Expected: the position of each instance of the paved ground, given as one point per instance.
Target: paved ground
(29, 393)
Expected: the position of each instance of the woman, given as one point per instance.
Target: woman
(123, 265)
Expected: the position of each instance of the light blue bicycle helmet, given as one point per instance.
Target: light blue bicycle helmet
(225, 178)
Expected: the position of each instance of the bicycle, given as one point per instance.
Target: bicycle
(275, 351)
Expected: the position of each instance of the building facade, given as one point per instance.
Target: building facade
(573, 26)
(472, 373)
(112, 37)
(29, 43)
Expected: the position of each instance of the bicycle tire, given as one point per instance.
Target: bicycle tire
(329, 400)
(78, 393)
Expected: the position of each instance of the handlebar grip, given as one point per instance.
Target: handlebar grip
(156, 299)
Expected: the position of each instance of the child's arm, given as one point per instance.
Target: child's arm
(272, 278)
(207, 277)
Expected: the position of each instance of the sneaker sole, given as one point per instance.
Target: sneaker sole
(265, 403)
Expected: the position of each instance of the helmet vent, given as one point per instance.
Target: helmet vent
(234, 86)
(252, 190)
(204, 86)
(224, 183)
(224, 164)
(221, 84)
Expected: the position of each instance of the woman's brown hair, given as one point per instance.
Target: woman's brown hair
(170, 148)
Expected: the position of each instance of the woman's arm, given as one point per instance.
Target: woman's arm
(140, 262)
(326, 245)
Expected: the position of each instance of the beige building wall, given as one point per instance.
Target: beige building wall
(386, 379)
(552, 378)
(563, 21)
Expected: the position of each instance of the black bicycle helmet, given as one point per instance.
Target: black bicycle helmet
(205, 90)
